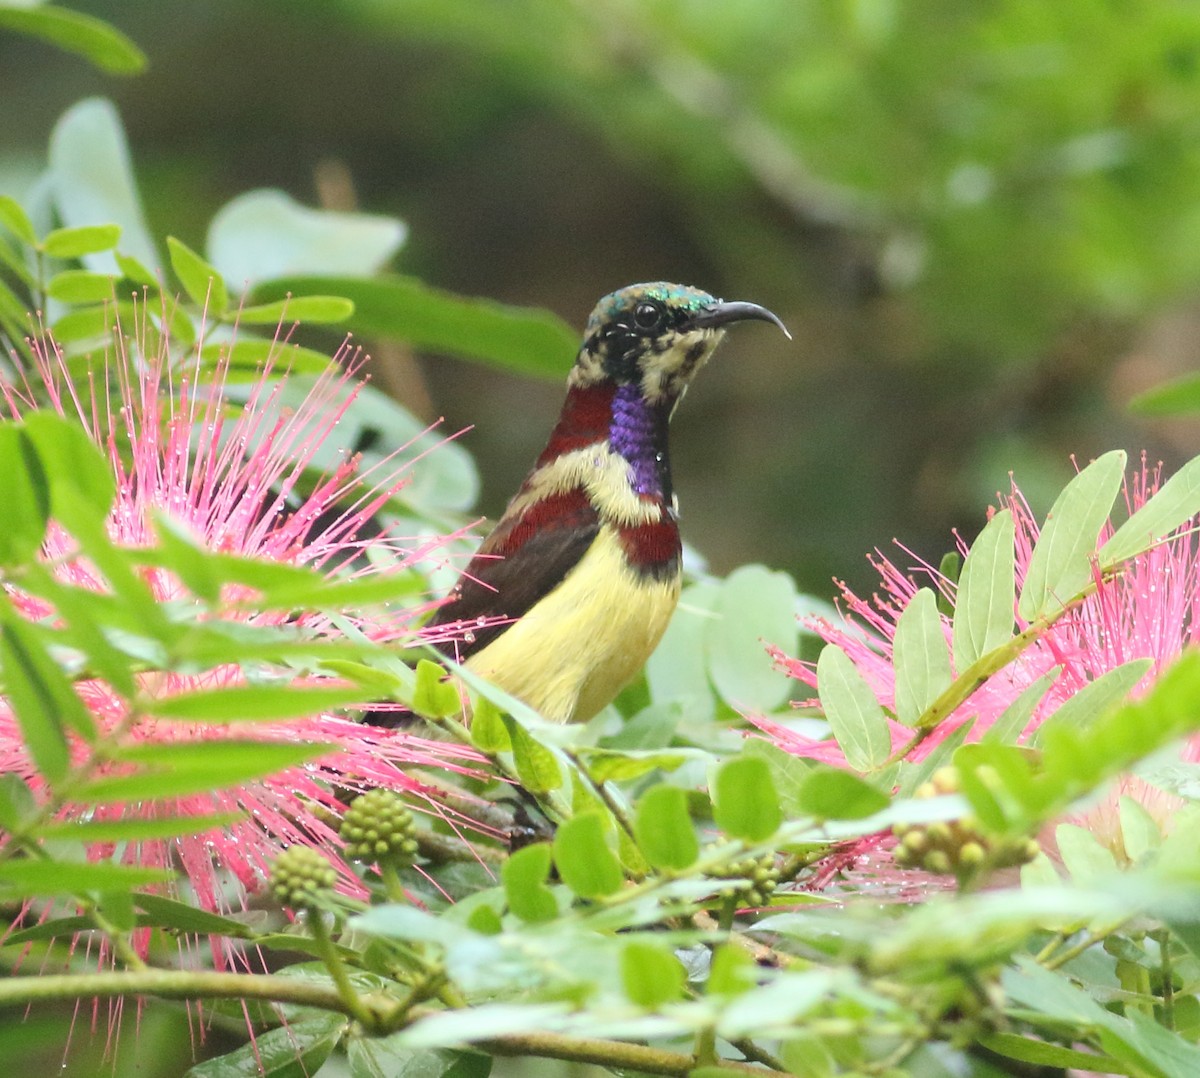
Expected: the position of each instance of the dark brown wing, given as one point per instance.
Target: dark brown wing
(524, 559)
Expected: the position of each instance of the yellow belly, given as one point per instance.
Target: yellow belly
(577, 648)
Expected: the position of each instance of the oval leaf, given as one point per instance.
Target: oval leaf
(746, 804)
(203, 283)
(664, 829)
(1173, 505)
(920, 656)
(853, 712)
(1061, 563)
(524, 878)
(983, 611)
(830, 793)
(583, 858)
(651, 974)
(755, 607)
(80, 241)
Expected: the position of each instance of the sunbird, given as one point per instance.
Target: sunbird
(572, 590)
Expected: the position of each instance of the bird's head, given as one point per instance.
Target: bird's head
(656, 336)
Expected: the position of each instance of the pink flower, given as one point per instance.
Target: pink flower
(235, 478)
(1150, 610)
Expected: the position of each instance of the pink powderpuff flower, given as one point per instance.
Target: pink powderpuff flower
(235, 478)
(1150, 610)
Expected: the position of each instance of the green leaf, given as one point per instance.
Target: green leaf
(292, 1051)
(611, 765)
(533, 342)
(80, 286)
(746, 804)
(651, 974)
(408, 923)
(1176, 502)
(1140, 832)
(74, 465)
(433, 697)
(488, 733)
(584, 861)
(17, 803)
(91, 175)
(313, 310)
(664, 830)
(983, 609)
(1061, 564)
(388, 1057)
(243, 703)
(1014, 719)
(26, 497)
(38, 692)
(133, 270)
(93, 39)
(81, 240)
(853, 712)
(1094, 699)
(524, 877)
(249, 356)
(536, 766)
(677, 670)
(203, 283)
(920, 656)
(754, 607)
(1082, 854)
(29, 877)
(829, 793)
(1045, 1054)
(177, 769)
(264, 234)
(14, 218)
(184, 917)
(135, 829)
(1179, 396)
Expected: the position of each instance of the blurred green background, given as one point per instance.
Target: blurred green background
(981, 221)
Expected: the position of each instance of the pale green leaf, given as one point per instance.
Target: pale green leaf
(91, 173)
(920, 656)
(1173, 505)
(266, 234)
(203, 283)
(853, 712)
(983, 609)
(1062, 560)
(1094, 699)
(755, 607)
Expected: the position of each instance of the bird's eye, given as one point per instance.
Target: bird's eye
(648, 317)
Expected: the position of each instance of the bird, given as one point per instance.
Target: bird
(572, 590)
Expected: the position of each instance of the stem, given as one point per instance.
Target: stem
(1163, 936)
(1090, 939)
(353, 1004)
(392, 885)
(175, 984)
(615, 1055)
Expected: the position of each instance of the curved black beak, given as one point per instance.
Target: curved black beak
(721, 313)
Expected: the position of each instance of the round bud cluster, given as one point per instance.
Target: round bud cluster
(760, 876)
(955, 847)
(379, 827)
(300, 877)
